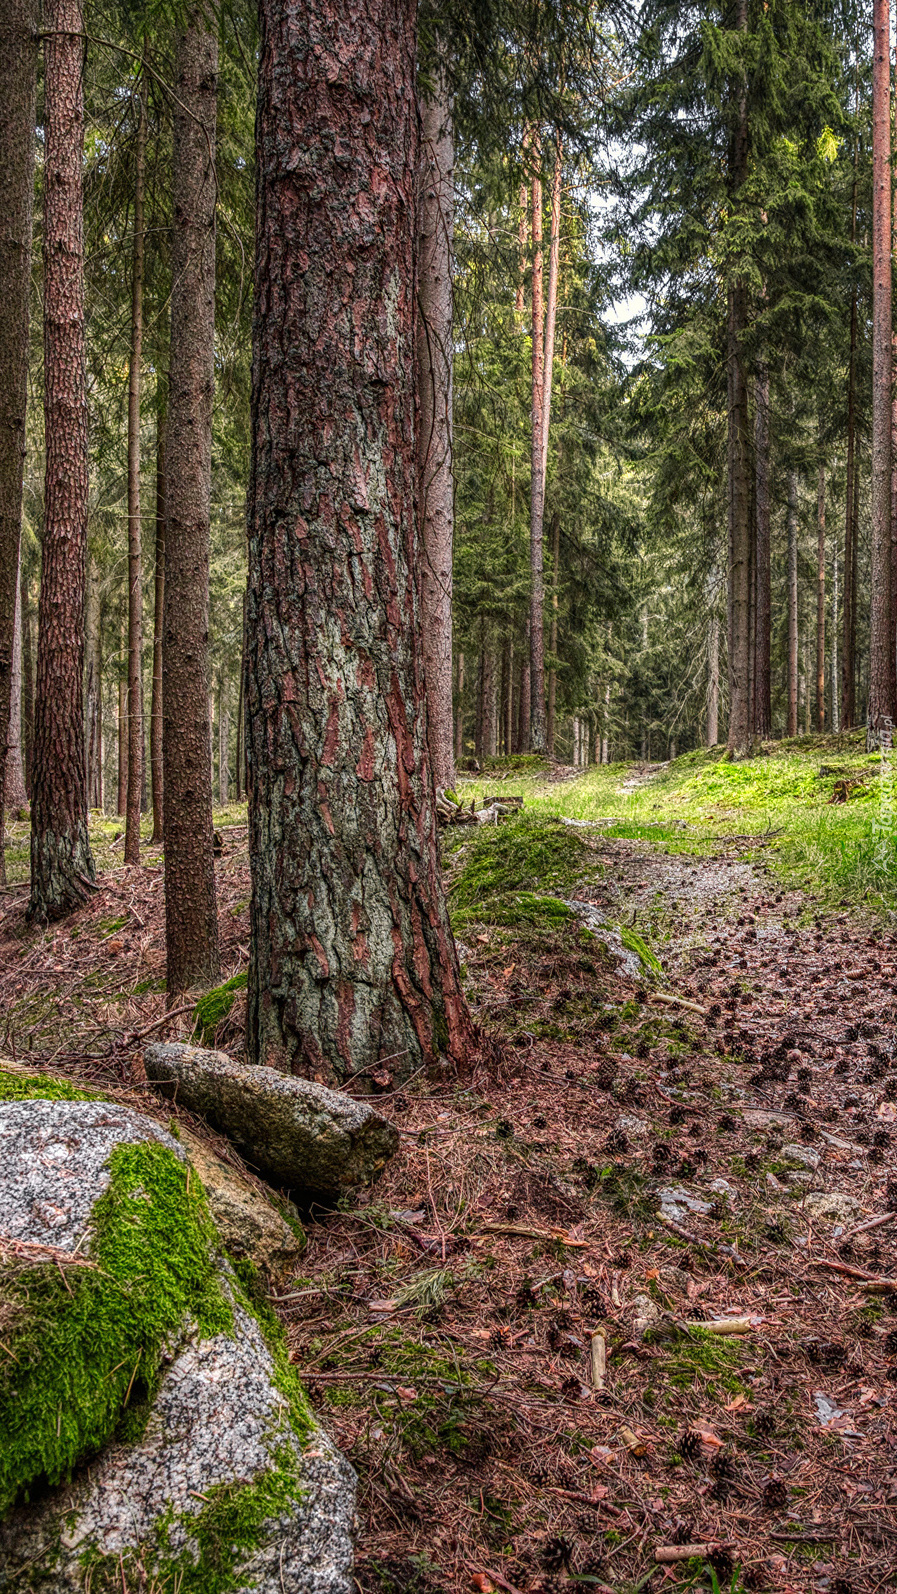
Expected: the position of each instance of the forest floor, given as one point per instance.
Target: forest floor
(683, 1112)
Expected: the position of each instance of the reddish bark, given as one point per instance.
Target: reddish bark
(881, 652)
(156, 711)
(18, 76)
(792, 603)
(537, 727)
(62, 870)
(848, 653)
(352, 958)
(739, 494)
(820, 601)
(191, 922)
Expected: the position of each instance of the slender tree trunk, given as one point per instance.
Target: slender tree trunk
(18, 78)
(820, 602)
(537, 488)
(739, 618)
(135, 541)
(848, 662)
(524, 705)
(522, 230)
(239, 754)
(792, 603)
(459, 719)
(836, 714)
(713, 681)
(490, 704)
(62, 869)
(352, 958)
(191, 923)
(436, 183)
(16, 795)
(508, 706)
(93, 687)
(122, 793)
(553, 635)
(28, 670)
(551, 307)
(881, 651)
(763, 577)
(156, 706)
(223, 743)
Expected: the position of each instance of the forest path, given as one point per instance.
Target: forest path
(620, 1162)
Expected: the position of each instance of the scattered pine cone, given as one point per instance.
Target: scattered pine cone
(689, 1444)
(504, 1129)
(722, 1466)
(722, 1563)
(775, 1494)
(539, 1121)
(764, 1422)
(616, 1142)
(557, 1553)
(891, 1195)
(890, 1342)
(590, 1522)
(726, 1123)
(605, 1074)
(677, 1115)
(804, 1078)
(881, 1137)
(842, 1585)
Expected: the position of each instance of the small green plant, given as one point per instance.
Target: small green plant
(212, 1009)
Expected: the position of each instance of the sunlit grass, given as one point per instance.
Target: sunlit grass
(841, 851)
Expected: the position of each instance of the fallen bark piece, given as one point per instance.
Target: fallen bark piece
(723, 1325)
(299, 1132)
(526, 1233)
(666, 1554)
(677, 1001)
(598, 1358)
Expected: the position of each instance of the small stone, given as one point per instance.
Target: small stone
(805, 1156)
(831, 1206)
(676, 1203)
(636, 1127)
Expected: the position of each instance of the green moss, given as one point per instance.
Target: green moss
(82, 1340)
(508, 867)
(634, 943)
(213, 1008)
(27, 1087)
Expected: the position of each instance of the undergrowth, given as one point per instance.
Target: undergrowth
(513, 874)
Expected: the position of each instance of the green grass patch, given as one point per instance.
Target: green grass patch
(27, 1087)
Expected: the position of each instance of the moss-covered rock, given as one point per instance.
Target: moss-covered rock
(151, 1427)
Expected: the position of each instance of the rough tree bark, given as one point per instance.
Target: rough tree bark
(156, 710)
(881, 642)
(524, 704)
(135, 538)
(489, 688)
(740, 726)
(18, 77)
(848, 652)
(436, 209)
(191, 922)
(121, 798)
(763, 567)
(553, 634)
(62, 869)
(459, 721)
(820, 601)
(713, 680)
(537, 742)
(792, 602)
(28, 672)
(836, 707)
(223, 743)
(352, 959)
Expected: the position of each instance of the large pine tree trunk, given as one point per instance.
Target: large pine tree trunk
(436, 209)
(762, 560)
(62, 869)
(18, 77)
(191, 922)
(135, 539)
(156, 710)
(820, 601)
(352, 958)
(537, 740)
(881, 650)
(792, 603)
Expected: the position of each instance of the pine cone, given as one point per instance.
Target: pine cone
(722, 1466)
(689, 1444)
(764, 1422)
(590, 1522)
(775, 1494)
(890, 1342)
(557, 1553)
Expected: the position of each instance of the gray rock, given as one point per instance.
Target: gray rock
(831, 1206)
(304, 1135)
(248, 1224)
(804, 1155)
(630, 1125)
(676, 1203)
(220, 1418)
(645, 1314)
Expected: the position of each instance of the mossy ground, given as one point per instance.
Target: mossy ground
(214, 1007)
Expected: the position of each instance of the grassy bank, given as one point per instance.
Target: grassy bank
(786, 800)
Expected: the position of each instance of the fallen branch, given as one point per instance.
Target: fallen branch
(599, 1358)
(870, 1223)
(677, 1001)
(666, 1554)
(722, 1325)
(869, 1281)
(526, 1233)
